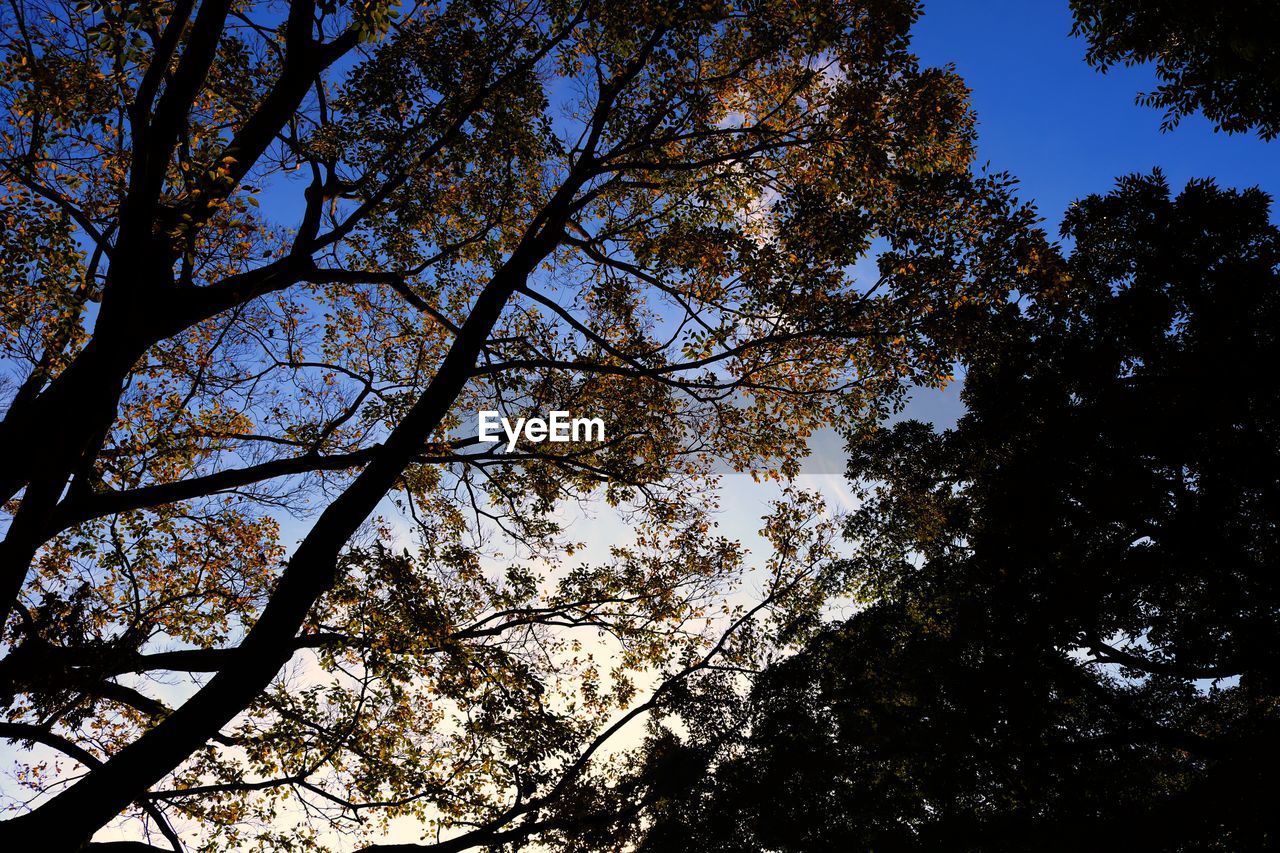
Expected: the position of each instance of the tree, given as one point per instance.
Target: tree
(1072, 607)
(263, 262)
(1218, 59)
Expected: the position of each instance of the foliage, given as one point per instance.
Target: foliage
(264, 261)
(1217, 58)
(1071, 621)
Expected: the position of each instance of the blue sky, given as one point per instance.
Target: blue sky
(1059, 126)
(1063, 129)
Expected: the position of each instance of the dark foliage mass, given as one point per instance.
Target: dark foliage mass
(1218, 58)
(1074, 629)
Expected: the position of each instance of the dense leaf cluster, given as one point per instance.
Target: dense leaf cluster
(260, 584)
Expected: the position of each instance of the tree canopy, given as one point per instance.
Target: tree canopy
(1220, 59)
(263, 262)
(1071, 603)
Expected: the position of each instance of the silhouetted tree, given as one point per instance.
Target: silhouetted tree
(1222, 59)
(263, 260)
(1073, 605)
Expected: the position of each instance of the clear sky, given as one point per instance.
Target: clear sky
(1059, 126)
